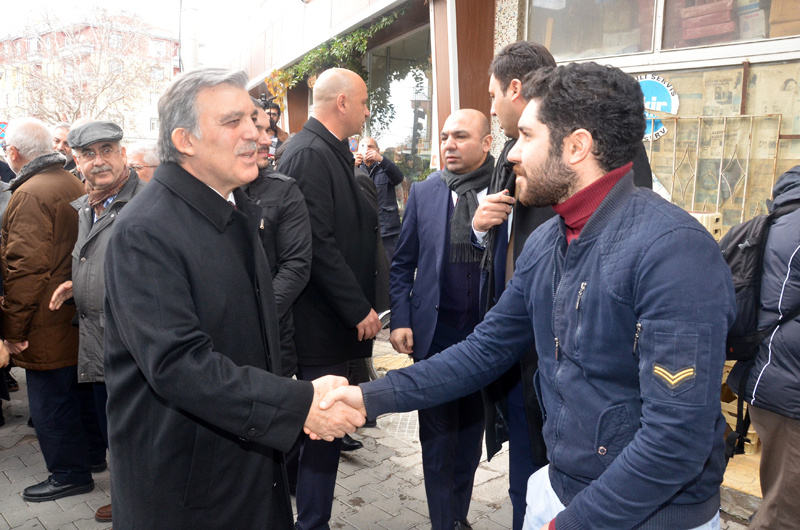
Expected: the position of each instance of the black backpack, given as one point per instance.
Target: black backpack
(743, 250)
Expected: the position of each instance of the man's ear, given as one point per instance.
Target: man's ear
(514, 90)
(12, 153)
(341, 103)
(578, 146)
(487, 143)
(183, 141)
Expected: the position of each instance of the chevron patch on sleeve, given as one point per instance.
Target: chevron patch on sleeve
(673, 379)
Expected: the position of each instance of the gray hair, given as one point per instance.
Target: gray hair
(148, 150)
(177, 106)
(62, 125)
(30, 136)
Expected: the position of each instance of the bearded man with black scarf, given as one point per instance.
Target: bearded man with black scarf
(439, 306)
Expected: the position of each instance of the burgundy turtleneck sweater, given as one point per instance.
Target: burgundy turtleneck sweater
(577, 210)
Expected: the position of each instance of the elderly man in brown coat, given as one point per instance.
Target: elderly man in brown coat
(38, 234)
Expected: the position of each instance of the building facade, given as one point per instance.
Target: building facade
(720, 76)
(114, 67)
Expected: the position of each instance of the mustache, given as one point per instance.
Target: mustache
(519, 170)
(263, 149)
(96, 170)
(246, 148)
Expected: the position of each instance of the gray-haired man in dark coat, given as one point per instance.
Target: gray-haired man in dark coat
(198, 414)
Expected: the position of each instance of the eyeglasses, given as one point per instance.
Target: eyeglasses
(137, 167)
(4, 146)
(104, 153)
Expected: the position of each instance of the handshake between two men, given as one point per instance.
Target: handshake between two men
(337, 409)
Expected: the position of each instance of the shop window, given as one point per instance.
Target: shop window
(733, 133)
(697, 22)
(638, 34)
(575, 29)
(400, 87)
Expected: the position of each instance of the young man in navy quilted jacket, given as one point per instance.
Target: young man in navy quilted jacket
(628, 302)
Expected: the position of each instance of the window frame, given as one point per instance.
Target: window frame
(707, 56)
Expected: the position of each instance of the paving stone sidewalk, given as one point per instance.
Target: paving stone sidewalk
(379, 487)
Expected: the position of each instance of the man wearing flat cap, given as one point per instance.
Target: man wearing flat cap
(39, 231)
(109, 186)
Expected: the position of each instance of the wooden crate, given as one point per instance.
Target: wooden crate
(712, 30)
(720, 17)
(784, 11)
(784, 29)
(705, 9)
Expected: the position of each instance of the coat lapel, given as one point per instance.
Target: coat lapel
(441, 194)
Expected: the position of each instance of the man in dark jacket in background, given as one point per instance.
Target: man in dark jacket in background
(386, 175)
(502, 225)
(773, 384)
(334, 316)
(434, 290)
(286, 235)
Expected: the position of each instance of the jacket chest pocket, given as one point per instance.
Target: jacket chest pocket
(269, 219)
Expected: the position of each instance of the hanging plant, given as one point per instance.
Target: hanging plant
(346, 51)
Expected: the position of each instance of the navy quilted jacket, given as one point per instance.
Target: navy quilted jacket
(774, 381)
(630, 322)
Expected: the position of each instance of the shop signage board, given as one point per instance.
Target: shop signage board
(659, 95)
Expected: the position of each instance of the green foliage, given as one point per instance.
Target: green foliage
(346, 51)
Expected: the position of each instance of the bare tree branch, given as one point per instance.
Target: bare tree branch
(100, 69)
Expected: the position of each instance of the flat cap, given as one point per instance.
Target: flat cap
(93, 132)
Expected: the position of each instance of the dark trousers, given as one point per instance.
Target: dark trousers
(389, 245)
(357, 371)
(450, 436)
(520, 459)
(318, 462)
(100, 400)
(65, 420)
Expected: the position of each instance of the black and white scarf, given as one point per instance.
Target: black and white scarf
(466, 186)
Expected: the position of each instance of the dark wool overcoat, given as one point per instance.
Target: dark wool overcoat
(197, 421)
(344, 226)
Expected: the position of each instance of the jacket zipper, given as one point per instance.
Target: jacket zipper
(636, 337)
(555, 293)
(580, 295)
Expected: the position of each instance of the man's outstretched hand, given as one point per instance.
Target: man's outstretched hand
(351, 396)
(335, 419)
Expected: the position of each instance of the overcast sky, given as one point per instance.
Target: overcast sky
(216, 26)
